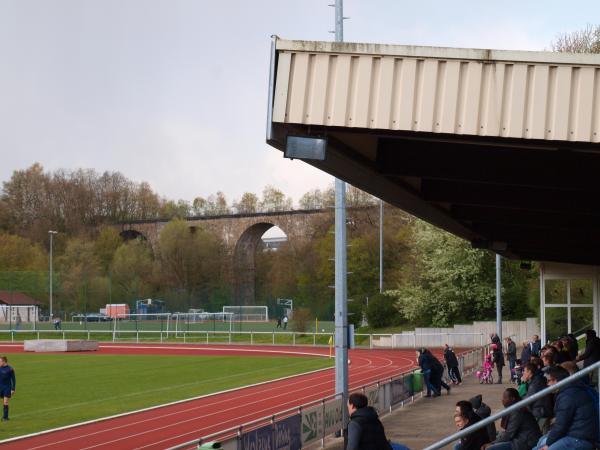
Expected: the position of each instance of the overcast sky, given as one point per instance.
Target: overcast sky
(173, 92)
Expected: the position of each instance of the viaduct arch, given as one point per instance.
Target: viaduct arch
(242, 234)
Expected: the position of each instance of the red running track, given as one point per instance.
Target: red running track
(173, 424)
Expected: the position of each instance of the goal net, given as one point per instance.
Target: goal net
(202, 321)
(248, 313)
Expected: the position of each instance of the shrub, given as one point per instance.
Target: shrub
(382, 311)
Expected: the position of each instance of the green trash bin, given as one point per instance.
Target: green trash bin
(209, 445)
(417, 381)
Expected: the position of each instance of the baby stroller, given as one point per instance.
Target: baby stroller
(516, 373)
(485, 375)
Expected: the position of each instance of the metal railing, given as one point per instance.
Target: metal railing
(483, 423)
(114, 334)
(375, 391)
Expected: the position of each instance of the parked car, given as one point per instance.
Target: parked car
(92, 317)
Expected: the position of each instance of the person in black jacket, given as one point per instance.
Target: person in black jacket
(535, 345)
(473, 441)
(452, 364)
(591, 354)
(525, 353)
(576, 418)
(365, 431)
(573, 346)
(425, 361)
(483, 411)
(521, 431)
(542, 408)
(437, 374)
(511, 354)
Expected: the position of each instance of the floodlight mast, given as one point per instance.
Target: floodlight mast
(51, 233)
(341, 271)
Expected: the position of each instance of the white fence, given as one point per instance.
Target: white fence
(462, 336)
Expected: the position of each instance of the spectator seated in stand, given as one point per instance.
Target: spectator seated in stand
(576, 416)
(464, 417)
(521, 431)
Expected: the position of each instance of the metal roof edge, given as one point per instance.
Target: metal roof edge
(415, 51)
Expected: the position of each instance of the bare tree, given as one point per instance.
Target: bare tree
(586, 40)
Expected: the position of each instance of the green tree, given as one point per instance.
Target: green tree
(132, 271)
(382, 311)
(105, 247)
(451, 282)
(192, 263)
(20, 254)
(81, 286)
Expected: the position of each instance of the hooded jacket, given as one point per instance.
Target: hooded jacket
(365, 431)
(450, 357)
(476, 439)
(575, 413)
(522, 430)
(542, 407)
(591, 354)
(483, 411)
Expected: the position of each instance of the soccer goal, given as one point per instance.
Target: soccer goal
(248, 313)
(202, 321)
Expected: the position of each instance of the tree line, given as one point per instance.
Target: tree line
(430, 277)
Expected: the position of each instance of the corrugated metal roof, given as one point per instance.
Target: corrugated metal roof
(16, 298)
(530, 95)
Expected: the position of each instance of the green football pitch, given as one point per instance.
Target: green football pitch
(58, 390)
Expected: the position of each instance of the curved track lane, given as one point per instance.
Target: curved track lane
(169, 425)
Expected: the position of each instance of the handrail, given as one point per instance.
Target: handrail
(482, 423)
(233, 430)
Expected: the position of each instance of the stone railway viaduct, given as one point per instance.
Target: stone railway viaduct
(242, 234)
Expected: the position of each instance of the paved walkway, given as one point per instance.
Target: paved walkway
(428, 420)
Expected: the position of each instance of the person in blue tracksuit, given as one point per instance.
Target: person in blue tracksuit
(8, 384)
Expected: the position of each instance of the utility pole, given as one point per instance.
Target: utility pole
(51, 233)
(341, 271)
(499, 296)
(380, 246)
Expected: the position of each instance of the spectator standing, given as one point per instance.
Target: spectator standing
(498, 358)
(452, 364)
(573, 346)
(425, 362)
(511, 353)
(278, 322)
(576, 418)
(437, 374)
(365, 431)
(525, 353)
(521, 431)
(591, 354)
(535, 345)
(285, 322)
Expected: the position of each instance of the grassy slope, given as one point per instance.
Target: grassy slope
(57, 390)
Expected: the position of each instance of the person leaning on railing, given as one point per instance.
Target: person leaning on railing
(576, 417)
(521, 431)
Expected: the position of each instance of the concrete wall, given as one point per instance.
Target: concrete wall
(464, 336)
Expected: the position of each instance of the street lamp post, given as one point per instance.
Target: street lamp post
(51, 233)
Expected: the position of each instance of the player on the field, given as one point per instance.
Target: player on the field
(8, 384)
